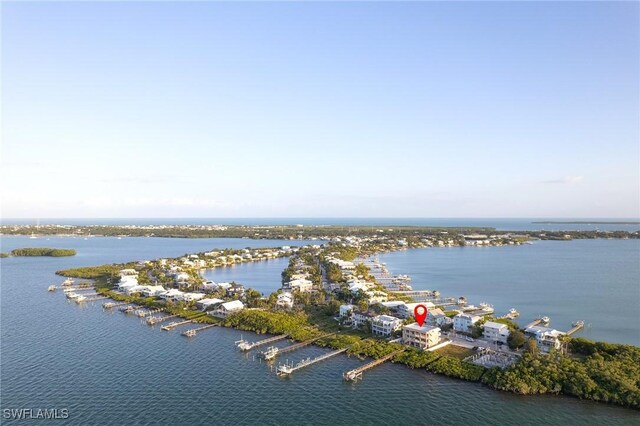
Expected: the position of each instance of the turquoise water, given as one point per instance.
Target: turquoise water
(108, 368)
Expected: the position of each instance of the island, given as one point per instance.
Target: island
(336, 295)
(42, 251)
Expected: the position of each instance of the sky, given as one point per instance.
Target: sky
(380, 109)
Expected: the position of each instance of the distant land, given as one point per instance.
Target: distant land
(637, 222)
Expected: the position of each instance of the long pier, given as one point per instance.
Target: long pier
(156, 320)
(192, 332)
(273, 352)
(356, 374)
(243, 345)
(533, 323)
(286, 370)
(174, 325)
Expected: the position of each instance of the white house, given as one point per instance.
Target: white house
(495, 332)
(464, 322)
(346, 310)
(152, 290)
(546, 338)
(302, 285)
(406, 309)
(209, 287)
(171, 294)
(361, 318)
(192, 297)
(384, 325)
(422, 337)
(437, 317)
(285, 300)
(127, 281)
(227, 308)
(207, 304)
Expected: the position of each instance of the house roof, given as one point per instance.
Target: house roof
(422, 329)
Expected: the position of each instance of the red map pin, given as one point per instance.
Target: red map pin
(420, 312)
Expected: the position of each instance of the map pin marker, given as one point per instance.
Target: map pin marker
(420, 312)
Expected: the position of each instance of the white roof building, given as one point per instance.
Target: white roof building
(420, 337)
(464, 322)
(495, 332)
(346, 310)
(384, 325)
(206, 304)
(227, 308)
(285, 300)
(302, 285)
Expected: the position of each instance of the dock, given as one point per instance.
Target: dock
(156, 320)
(143, 313)
(243, 345)
(576, 326)
(355, 375)
(175, 324)
(287, 370)
(273, 352)
(111, 305)
(192, 331)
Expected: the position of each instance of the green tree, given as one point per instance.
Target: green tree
(531, 346)
(516, 339)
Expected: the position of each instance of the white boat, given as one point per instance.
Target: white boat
(513, 312)
(81, 298)
(71, 295)
(545, 320)
(67, 282)
(578, 324)
(33, 236)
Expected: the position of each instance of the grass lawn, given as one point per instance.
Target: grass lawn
(455, 351)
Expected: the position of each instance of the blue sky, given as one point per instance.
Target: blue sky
(320, 109)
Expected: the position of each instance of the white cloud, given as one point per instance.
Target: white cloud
(567, 180)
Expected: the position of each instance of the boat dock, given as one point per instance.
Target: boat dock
(143, 313)
(174, 324)
(273, 352)
(243, 345)
(156, 320)
(111, 305)
(192, 331)
(533, 323)
(576, 326)
(287, 370)
(355, 375)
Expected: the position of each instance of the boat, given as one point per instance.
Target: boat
(270, 353)
(71, 295)
(578, 324)
(80, 298)
(52, 288)
(513, 312)
(462, 300)
(67, 282)
(545, 320)
(33, 236)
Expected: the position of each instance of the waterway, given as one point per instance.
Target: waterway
(108, 368)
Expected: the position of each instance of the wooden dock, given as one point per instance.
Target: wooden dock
(356, 374)
(156, 320)
(273, 352)
(287, 370)
(192, 332)
(243, 345)
(175, 324)
(576, 326)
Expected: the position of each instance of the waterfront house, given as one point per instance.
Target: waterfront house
(209, 287)
(285, 300)
(208, 304)
(437, 317)
(406, 309)
(463, 322)
(227, 308)
(385, 325)
(422, 337)
(152, 290)
(546, 338)
(235, 290)
(495, 332)
(171, 295)
(192, 297)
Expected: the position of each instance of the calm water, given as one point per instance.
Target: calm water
(108, 368)
(510, 224)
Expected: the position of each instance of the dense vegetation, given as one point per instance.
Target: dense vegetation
(42, 251)
(95, 272)
(598, 371)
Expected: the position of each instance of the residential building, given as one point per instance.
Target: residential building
(546, 338)
(346, 310)
(227, 308)
(361, 318)
(437, 317)
(463, 322)
(422, 337)
(495, 332)
(285, 300)
(302, 285)
(385, 325)
(208, 304)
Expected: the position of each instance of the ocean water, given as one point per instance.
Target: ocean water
(109, 368)
(505, 224)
